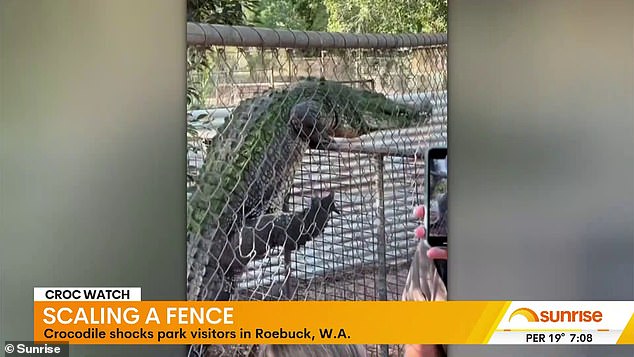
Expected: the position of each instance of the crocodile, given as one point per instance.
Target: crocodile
(251, 162)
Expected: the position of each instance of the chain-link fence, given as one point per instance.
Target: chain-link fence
(305, 163)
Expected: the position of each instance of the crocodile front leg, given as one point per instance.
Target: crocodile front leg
(307, 119)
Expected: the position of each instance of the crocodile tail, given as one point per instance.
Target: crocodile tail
(207, 273)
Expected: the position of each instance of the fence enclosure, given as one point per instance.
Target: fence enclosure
(377, 179)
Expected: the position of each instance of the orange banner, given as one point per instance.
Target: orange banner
(251, 322)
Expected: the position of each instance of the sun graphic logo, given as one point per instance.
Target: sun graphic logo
(558, 315)
(529, 315)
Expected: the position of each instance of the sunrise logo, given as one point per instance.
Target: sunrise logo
(529, 315)
(558, 316)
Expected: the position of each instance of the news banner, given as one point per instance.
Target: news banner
(118, 315)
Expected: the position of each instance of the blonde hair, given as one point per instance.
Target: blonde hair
(312, 351)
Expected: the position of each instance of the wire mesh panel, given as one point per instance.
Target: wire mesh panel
(305, 162)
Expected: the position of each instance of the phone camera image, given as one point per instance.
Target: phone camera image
(438, 197)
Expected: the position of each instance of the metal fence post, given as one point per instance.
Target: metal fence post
(381, 248)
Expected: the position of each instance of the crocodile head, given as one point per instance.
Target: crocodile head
(374, 112)
(348, 112)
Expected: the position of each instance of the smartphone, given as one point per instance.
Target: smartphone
(437, 204)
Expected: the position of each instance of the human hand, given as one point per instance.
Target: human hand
(437, 253)
(434, 253)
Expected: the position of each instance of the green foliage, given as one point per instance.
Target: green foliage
(433, 16)
(307, 15)
(376, 16)
(226, 12)
(387, 16)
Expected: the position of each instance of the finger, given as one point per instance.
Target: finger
(437, 253)
(419, 212)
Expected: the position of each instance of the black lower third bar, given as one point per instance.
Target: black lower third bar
(30, 348)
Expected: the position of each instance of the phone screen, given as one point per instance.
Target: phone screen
(437, 204)
(437, 197)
